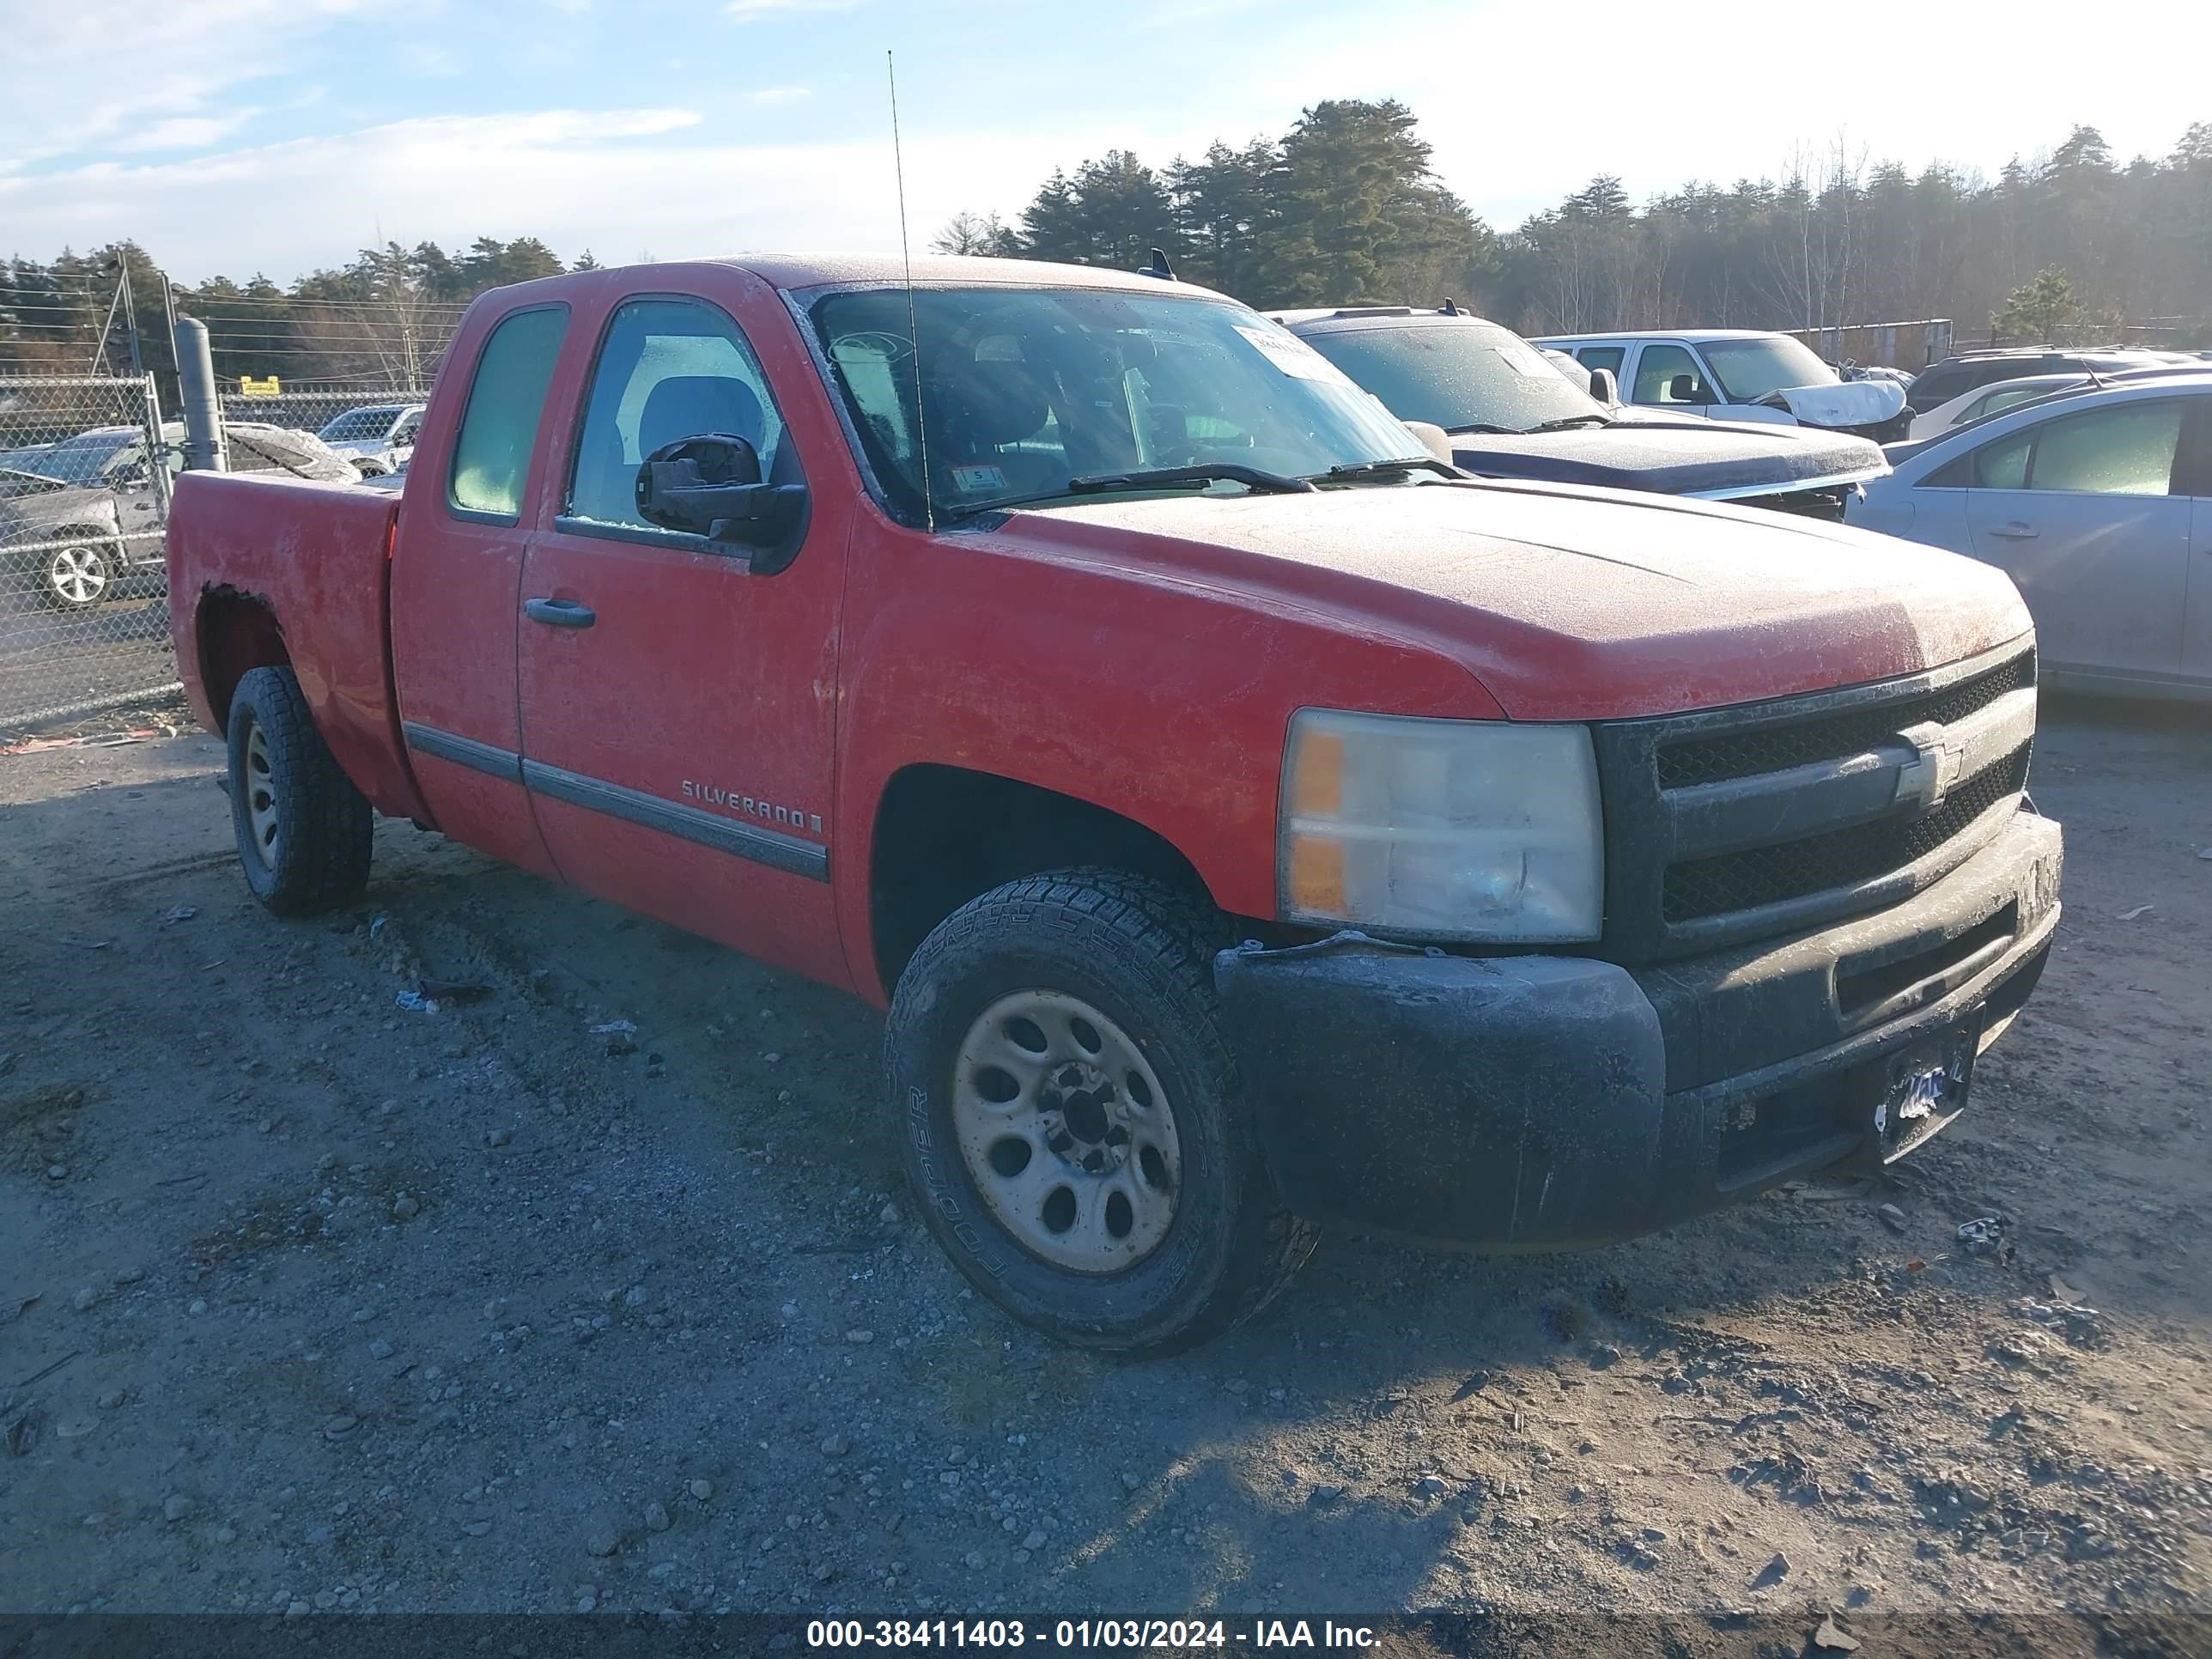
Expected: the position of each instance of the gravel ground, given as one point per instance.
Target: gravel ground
(309, 1300)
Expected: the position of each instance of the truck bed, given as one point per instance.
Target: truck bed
(316, 557)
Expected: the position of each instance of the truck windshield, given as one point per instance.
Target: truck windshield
(1022, 391)
(1748, 370)
(1458, 375)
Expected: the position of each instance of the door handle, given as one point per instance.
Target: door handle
(2015, 531)
(559, 613)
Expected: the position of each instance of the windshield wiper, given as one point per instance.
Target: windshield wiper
(1483, 427)
(1567, 421)
(1359, 471)
(1258, 480)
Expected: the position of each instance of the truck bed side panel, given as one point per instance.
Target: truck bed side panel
(316, 555)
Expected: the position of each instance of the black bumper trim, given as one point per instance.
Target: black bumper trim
(1518, 1104)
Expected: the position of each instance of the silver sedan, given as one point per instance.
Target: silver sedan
(2098, 503)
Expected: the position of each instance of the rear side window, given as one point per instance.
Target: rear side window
(2003, 464)
(1605, 357)
(491, 456)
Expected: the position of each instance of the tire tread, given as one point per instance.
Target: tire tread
(328, 823)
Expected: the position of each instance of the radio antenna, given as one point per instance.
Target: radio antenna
(913, 327)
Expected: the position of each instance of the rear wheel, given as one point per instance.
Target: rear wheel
(1075, 1126)
(302, 829)
(76, 575)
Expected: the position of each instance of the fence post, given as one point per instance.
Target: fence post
(157, 450)
(203, 444)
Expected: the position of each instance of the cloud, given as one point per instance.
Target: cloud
(762, 11)
(66, 91)
(432, 63)
(186, 131)
(615, 181)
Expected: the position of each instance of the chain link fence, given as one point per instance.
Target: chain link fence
(87, 464)
(373, 427)
(84, 505)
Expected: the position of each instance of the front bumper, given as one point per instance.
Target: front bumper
(1529, 1103)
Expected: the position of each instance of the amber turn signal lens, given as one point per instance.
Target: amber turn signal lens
(1317, 877)
(1317, 785)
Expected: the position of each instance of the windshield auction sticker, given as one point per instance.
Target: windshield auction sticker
(1291, 353)
(974, 480)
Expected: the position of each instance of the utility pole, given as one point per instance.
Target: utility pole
(203, 411)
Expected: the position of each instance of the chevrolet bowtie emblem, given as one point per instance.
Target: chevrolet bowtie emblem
(1925, 779)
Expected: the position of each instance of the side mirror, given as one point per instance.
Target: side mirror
(1604, 387)
(1434, 439)
(711, 486)
(1683, 389)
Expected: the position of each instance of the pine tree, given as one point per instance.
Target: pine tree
(2037, 308)
(1111, 212)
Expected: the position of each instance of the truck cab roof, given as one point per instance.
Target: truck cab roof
(799, 272)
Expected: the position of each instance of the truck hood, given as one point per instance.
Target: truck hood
(1854, 402)
(1563, 604)
(1710, 459)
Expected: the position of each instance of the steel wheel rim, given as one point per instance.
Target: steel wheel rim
(1067, 1132)
(79, 575)
(260, 786)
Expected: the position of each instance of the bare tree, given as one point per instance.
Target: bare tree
(974, 232)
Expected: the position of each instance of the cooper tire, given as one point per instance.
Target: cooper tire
(1127, 963)
(303, 830)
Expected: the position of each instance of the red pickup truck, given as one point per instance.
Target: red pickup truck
(1251, 823)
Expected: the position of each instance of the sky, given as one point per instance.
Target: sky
(237, 136)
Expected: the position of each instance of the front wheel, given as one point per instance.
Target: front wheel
(303, 830)
(1075, 1128)
(76, 575)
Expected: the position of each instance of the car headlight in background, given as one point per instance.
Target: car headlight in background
(1460, 829)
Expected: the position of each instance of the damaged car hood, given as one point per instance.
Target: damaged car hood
(1852, 403)
(1712, 460)
(1564, 603)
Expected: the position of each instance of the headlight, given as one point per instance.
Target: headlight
(1460, 829)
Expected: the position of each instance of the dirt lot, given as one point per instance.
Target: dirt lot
(310, 1300)
(52, 659)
